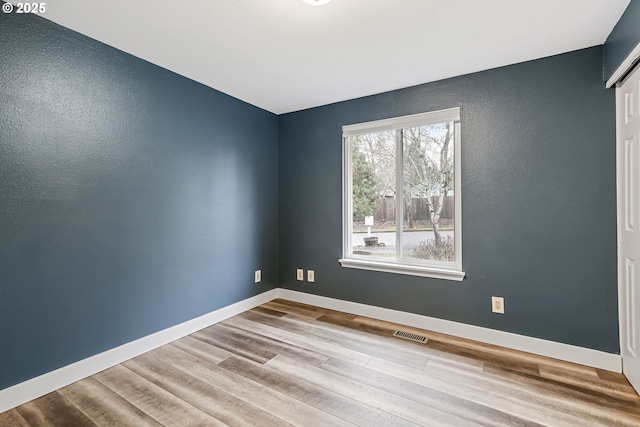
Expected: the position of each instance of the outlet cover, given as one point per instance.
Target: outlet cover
(300, 274)
(258, 276)
(497, 305)
(311, 276)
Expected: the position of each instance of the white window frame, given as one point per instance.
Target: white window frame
(435, 269)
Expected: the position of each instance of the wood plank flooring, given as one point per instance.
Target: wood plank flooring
(286, 363)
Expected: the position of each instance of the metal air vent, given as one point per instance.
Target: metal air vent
(409, 336)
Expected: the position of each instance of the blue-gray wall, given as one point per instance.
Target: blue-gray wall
(131, 199)
(623, 39)
(539, 202)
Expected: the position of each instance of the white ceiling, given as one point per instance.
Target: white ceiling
(285, 55)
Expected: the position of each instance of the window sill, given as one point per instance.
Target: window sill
(411, 270)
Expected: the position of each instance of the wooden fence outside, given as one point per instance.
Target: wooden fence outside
(386, 209)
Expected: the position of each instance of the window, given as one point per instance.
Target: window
(402, 195)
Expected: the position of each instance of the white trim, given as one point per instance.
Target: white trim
(457, 191)
(51, 381)
(625, 66)
(570, 353)
(347, 191)
(398, 268)
(620, 208)
(399, 265)
(413, 120)
(399, 198)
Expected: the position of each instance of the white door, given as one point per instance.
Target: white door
(628, 183)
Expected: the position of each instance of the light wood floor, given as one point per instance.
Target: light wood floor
(286, 363)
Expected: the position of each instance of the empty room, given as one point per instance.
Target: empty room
(320, 213)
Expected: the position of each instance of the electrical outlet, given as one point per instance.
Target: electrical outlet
(258, 276)
(311, 276)
(300, 274)
(497, 305)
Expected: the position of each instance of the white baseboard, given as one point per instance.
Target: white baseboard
(51, 381)
(566, 352)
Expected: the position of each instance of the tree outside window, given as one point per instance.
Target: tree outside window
(402, 172)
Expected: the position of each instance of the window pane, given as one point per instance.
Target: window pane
(373, 197)
(428, 193)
